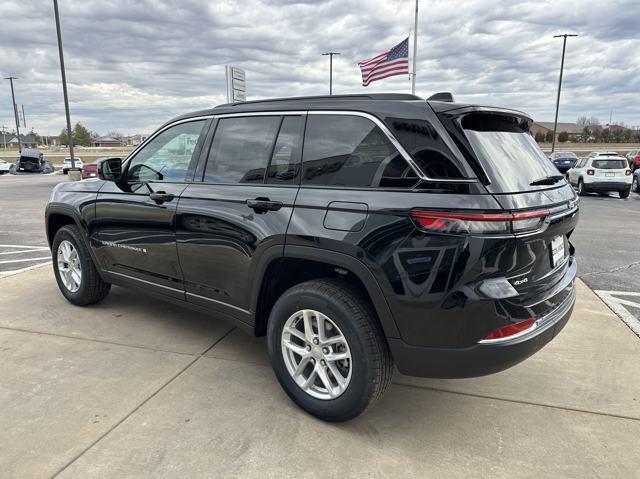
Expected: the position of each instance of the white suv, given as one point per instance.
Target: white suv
(66, 166)
(601, 174)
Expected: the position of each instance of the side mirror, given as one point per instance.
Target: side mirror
(110, 169)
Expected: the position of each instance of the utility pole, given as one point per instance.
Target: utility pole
(24, 118)
(331, 54)
(64, 85)
(415, 51)
(564, 46)
(4, 137)
(15, 111)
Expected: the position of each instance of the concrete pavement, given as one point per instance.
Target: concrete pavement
(136, 388)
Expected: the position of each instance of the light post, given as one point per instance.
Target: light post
(555, 122)
(64, 85)
(15, 111)
(331, 54)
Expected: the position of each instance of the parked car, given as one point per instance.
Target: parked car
(601, 174)
(31, 160)
(91, 170)
(635, 182)
(634, 159)
(383, 241)
(5, 166)
(66, 165)
(564, 160)
(595, 154)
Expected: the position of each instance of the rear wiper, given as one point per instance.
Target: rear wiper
(547, 180)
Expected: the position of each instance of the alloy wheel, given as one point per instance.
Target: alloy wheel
(69, 267)
(316, 354)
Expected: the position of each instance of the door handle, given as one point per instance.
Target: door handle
(262, 205)
(161, 196)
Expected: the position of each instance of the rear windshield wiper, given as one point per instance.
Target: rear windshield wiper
(547, 180)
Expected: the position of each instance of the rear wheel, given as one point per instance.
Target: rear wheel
(328, 350)
(625, 193)
(75, 272)
(581, 190)
(634, 186)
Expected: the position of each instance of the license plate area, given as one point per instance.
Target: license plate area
(610, 174)
(557, 250)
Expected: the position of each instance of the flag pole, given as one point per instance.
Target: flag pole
(415, 51)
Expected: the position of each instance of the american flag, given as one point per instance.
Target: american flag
(393, 62)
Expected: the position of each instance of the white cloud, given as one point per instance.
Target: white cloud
(133, 65)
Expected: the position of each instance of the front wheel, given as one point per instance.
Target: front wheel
(328, 350)
(77, 276)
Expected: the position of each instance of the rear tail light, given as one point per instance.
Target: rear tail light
(479, 223)
(591, 172)
(627, 172)
(510, 330)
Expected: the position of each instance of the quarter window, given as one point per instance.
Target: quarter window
(167, 156)
(241, 149)
(285, 160)
(345, 150)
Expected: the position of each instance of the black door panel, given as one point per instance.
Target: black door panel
(220, 238)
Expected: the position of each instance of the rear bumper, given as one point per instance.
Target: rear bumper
(483, 358)
(607, 186)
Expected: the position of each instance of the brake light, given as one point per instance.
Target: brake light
(591, 172)
(511, 329)
(627, 172)
(478, 223)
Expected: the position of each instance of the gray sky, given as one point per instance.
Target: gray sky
(132, 65)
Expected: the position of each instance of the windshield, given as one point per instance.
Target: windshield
(508, 153)
(610, 164)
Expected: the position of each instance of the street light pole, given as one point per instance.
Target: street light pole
(555, 122)
(64, 85)
(331, 54)
(15, 111)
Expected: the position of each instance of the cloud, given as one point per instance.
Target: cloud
(133, 65)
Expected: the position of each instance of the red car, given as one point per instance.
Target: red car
(91, 170)
(634, 159)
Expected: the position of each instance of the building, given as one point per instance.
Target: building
(27, 141)
(106, 142)
(574, 130)
(135, 140)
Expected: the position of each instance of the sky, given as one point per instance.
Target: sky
(134, 64)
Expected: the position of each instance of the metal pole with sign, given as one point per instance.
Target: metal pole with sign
(236, 84)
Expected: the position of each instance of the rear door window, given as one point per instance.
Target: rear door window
(610, 164)
(508, 153)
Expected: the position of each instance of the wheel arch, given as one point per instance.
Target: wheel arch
(291, 265)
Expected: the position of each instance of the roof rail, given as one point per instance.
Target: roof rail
(370, 96)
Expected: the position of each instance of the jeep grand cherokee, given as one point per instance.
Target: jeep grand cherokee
(355, 232)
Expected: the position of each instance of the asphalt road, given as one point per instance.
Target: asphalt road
(606, 238)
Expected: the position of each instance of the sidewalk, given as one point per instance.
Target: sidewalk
(133, 387)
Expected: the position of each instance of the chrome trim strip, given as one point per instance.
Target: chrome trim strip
(219, 302)
(262, 113)
(145, 281)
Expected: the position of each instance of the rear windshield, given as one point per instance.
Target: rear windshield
(610, 164)
(566, 156)
(508, 153)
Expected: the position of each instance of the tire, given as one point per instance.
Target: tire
(635, 186)
(64, 172)
(624, 194)
(91, 288)
(370, 365)
(581, 191)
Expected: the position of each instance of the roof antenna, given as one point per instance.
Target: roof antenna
(441, 96)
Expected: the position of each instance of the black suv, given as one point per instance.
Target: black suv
(356, 232)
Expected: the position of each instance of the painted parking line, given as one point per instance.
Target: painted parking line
(4, 274)
(619, 301)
